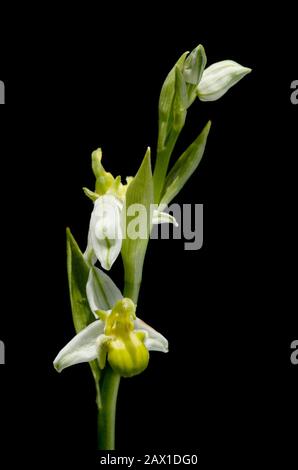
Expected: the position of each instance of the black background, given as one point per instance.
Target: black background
(81, 80)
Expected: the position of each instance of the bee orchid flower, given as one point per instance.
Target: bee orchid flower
(116, 335)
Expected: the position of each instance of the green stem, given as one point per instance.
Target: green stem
(133, 275)
(107, 413)
(109, 391)
(110, 381)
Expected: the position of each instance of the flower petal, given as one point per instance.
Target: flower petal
(151, 334)
(163, 218)
(101, 291)
(82, 348)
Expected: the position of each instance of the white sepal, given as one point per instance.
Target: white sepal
(82, 348)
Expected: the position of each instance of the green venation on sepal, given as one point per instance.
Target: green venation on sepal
(140, 191)
(185, 166)
(78, 272)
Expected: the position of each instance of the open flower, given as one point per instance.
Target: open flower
(117, 335)
(106, 227)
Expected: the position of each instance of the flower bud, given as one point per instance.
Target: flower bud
(219, 78)
(193, 68)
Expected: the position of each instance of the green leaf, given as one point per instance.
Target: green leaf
(78, 272)
(140, 191)
(185, 166)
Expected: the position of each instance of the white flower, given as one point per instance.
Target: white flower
(107, 219)
(219, 78)
(117, 335)
(106, 229)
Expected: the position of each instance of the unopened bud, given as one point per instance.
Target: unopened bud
(219, 78)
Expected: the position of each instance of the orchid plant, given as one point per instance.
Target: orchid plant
(109, 335)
